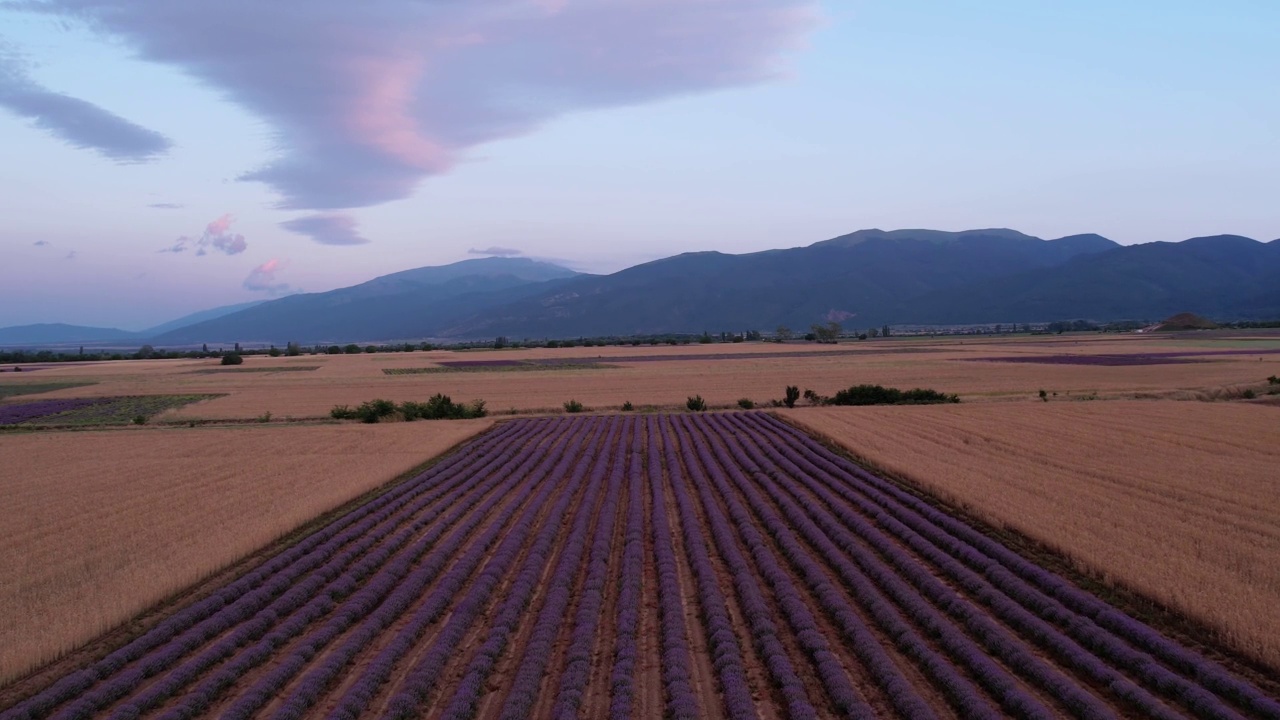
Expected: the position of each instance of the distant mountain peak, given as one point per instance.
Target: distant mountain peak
(922, 235)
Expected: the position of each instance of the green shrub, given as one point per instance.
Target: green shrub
(274, 351)
(792, 395)
(880, 395)
(1273, 380)
(442, 407)
(746, 403)
(573, 406)
(232, 359)
(1248, 394)
(342, 412)
(626, 406)
(373, 411)
(1044, 396)
(265, 417)
(139, 419)
(696, 404)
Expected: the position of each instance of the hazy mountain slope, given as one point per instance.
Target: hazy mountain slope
(405, 305)
(197, 317)
(860, 279)
(60, 334)
(1223, 276)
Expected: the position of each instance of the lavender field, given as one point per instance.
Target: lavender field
(679, 566)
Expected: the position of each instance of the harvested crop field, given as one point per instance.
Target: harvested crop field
(603, 378)
(652, 566)
(1178, 501)
(100, 525)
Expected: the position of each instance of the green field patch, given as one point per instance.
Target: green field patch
(120, 410)
(14, 390)
(520, 367)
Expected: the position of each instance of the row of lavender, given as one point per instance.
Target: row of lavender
(1000, 625)
(512, 578)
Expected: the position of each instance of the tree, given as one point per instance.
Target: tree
(826, 333)
(292, 350)
(873, 332)
(784, 333)
(792, 395)
(144, 352)
(232, 359)
(885, 331)
(500, 342)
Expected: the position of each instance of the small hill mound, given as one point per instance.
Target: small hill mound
(1186, 321)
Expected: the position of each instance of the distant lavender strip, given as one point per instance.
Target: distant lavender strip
(23, 412)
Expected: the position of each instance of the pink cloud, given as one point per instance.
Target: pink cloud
(217, 235)
(368, 100)
(219, 226)
(263, 279)
(327, 229)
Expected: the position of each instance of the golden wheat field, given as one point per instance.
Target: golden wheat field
(97, 526)
(1177, 500)
(648, 376)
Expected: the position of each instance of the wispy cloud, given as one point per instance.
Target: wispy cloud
(41, 243)
(263, 279)
(166, 206)
(71, 255)
(327, 229)
(217, 236)
(410, 86)
(76, 122)
(495, 250)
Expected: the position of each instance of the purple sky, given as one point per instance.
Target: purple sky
(164, 158)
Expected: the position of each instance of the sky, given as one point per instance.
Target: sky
(158, 159)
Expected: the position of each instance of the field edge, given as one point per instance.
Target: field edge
(1183, 628)
(16, 689)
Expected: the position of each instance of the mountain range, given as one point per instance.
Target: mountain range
(864, 279)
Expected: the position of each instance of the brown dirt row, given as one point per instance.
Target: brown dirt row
(522, 496)
(862, 680)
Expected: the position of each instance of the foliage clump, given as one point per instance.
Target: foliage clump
(792, 395)
(573, 406)
(232, 359)
(696, 404)
(746, 403)
(880, 395)
(437, 407)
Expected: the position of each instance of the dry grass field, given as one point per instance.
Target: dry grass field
(720, 378)
(97, 526)
(1179, 501)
